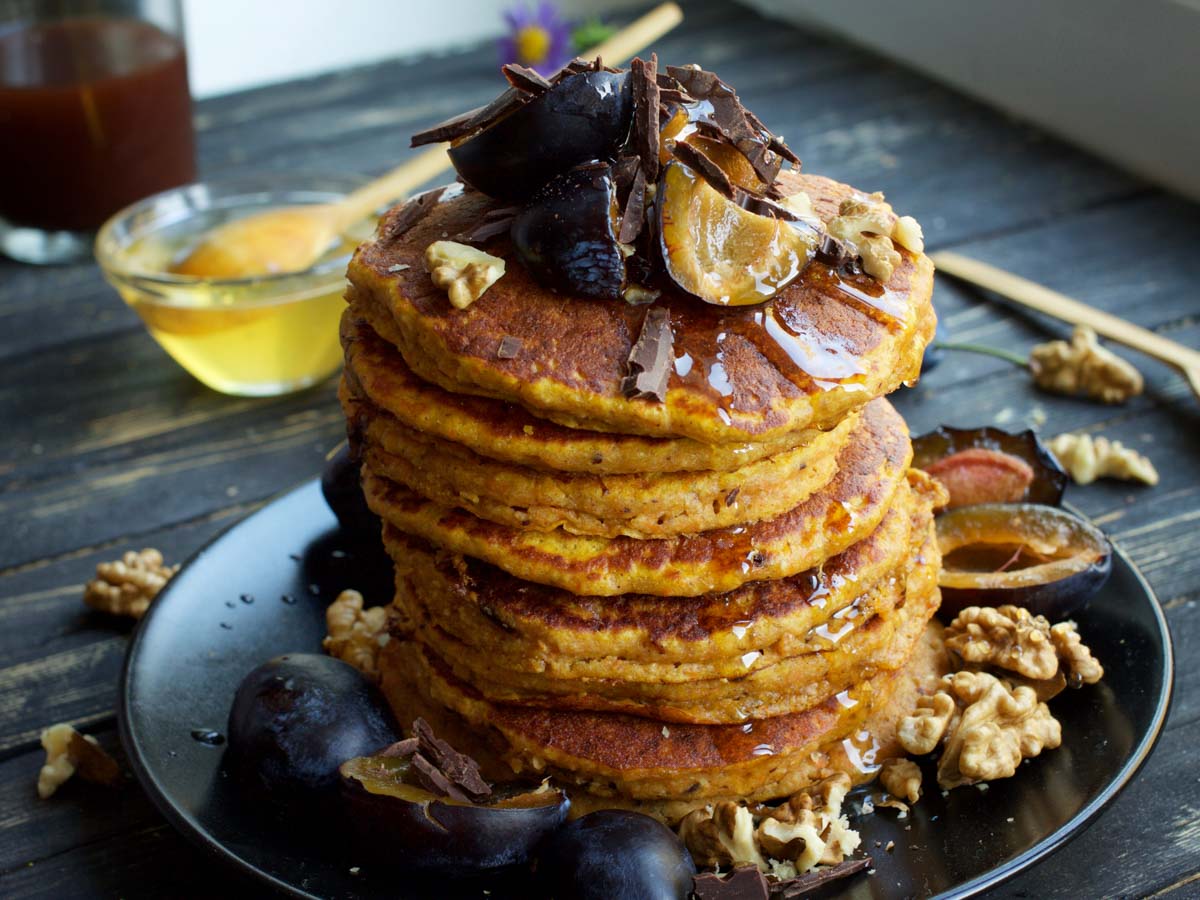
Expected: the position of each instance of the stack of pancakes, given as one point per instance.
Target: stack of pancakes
(723, 594)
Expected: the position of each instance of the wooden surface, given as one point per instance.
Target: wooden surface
(107, 445)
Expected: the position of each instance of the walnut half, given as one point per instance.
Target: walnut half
(1010, 637)
(68, 752)
(464, 272)
(870, 227)
(1086, 458)
(356, 635)
(127, 586)
(1084, 367)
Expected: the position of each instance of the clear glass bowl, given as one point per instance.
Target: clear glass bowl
(259, 336)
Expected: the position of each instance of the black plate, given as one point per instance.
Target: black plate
(260, 589)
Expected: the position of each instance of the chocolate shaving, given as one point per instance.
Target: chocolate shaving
(509, 347)
(458, 767)
(707, 169)
(776, 143)
(645, 116)
(624, 172)
(525, 79)
(410, 214)
(574, 67)
(472, 120)
(833, 252)
(795, 888)
(670, 97)
(495, 222)
(435, 781)
(406, 747)
(650, 359)
(743, 883)
(635, 210)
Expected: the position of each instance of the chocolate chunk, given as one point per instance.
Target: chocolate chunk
(394, 225)
(801, 885)
(624, 171)
(833, 252)
(650, 359)
(509, 347)
(472, 120)
(705, 167)
(401, 749)
(645, 113)
(743, 883)
(435, 781)
(458, 767)
(525, 79)
(574, 67)
(635, 210)
(670, 97)
(776, 144)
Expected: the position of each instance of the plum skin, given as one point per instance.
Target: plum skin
(342, 491)
(297, 717)
(615, 855)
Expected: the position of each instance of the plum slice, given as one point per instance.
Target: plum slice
(720, 252)
(401, 823)
(566, 235)
(582, 117)
(988, 465)
(1040, 557)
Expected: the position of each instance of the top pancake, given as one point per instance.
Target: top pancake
(825, 345)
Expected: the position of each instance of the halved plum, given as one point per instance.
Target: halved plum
(401, 823)
(566, 235)
(988, 465)
(1040, 557)
(719, 251)
(584, 116)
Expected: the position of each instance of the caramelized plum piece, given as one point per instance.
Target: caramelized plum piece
(720, 252)
(989, 477)
(566, 235)
(403, 824)
(585, 116)
(1040, 557)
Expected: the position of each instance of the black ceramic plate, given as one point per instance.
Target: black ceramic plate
(261, 588)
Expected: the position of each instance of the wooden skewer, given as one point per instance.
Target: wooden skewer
(1035, 296)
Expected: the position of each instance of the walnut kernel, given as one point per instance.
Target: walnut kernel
(67, 753)
(356, 635)
(464, 272)
(901, 778)
(1086, 458)
(1084, 668)
(1005, 636)
(721, 834)
(921, 732)
(870, 227)
(1084, 367)
(126, 587)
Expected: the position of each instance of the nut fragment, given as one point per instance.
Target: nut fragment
(1078, 659)
(126, 587)
(901, 778)
(721, 834)
(356, 635)
(1086, 458)
(464, 272)
(920, 732)
(68, 752)
(1006, 636)
(870, 227)
(1083, 367)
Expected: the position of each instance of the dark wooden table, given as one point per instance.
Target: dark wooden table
(107, 445)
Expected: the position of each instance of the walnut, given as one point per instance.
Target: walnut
(801, 205)
(356, 635)
(809, 829)
(870, 227)
(1086, 458)
(921, 732)
(125, 587)
(464, 272)
(68, 752)
(901, 778)
(1083, 367)
(721, 834)
(1084, 668)
(1005, 636)
(998, 728)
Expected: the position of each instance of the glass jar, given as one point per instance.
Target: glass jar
(95, 113)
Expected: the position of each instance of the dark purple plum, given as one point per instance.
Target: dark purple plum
(297, 717)
(615, 855)
(343, 492)
(585, 116)
(566, 235)
(1040, 557)
(933, 353)
(403, 824)
(1049, 480)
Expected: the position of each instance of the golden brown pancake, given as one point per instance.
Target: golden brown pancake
(376, 372)
(871, 469)
(825, 345)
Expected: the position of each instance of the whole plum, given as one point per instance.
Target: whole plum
(297, 717)
(343, 492)
(615, 855)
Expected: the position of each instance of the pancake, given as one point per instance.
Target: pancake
(628, 760)
(825, 345)
(871, 469)
(376, 372)
(639, 506)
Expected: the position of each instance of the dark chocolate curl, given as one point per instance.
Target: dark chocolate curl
(707, 169)
(472, 120)
(650, 359)
(803, 885)
(397, 223)
(645, 115)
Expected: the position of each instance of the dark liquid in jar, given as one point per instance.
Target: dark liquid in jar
(94, 114)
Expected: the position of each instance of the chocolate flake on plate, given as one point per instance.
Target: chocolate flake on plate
(801, 885)
(645, 119)
(410, 214)
(525, 79)
(458, 767)
(509, 347)
(743, 883)
(650, 358)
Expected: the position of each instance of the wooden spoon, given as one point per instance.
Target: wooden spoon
(292, 239)
(1052, 303)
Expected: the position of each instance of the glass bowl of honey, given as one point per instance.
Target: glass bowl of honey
(256, 337)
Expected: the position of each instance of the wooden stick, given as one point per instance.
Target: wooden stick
(1052, 303)
(638, 35)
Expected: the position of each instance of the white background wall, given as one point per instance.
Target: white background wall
(235, 44)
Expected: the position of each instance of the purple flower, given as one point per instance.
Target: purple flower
(537, 37)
